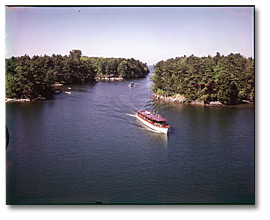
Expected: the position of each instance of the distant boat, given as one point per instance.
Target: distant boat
(131, 84)
(153, 120)
(68, 93)
(69, 88)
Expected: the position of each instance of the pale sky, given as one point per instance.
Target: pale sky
(149, 34)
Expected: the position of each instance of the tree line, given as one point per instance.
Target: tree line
(28, 77)
(227, 79)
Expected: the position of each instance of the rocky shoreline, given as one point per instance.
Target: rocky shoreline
(109, 79)
(182, 100)
(16, 100)
(115, 78)
(10, 100)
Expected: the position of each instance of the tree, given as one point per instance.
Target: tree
(30, 77)
(75, 54)
(226, 79)
(124, 69)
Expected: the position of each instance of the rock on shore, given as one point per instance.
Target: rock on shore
(9, 100)
(17, 100)
(216, 103)
(176, 98)
(197, 102)
(109, 79)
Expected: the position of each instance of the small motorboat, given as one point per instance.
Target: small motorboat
(131, 84)
(153, 120)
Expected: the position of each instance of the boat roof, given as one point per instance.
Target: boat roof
(153, 116)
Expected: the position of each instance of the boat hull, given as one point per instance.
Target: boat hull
(156, 128)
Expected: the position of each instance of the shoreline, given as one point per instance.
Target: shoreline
(180, 99)
(56, 89)
(10, 100)
(108, 79)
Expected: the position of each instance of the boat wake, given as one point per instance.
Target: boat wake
(131, 115)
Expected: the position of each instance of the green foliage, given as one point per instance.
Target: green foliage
(124, 69)
(11, 85)
(30, 77)
(162, 92)
(228, 79)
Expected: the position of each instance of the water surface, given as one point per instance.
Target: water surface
(87, 147)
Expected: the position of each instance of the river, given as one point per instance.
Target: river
(87, 147)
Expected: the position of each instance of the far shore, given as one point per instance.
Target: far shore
(106, 78)
(109, 79)
(57, 89)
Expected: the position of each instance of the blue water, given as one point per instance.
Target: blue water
(87, 147)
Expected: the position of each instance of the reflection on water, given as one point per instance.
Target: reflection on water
(155, 136)
(151, 105)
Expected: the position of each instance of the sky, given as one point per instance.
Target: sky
(149, 34)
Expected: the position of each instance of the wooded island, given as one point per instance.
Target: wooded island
(226, 79)
(29, 78)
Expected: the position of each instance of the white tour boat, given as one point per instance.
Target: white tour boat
(153, 120)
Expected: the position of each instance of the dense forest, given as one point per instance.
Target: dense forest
(32, 77)
(227, 79)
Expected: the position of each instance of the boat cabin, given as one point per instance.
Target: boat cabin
(153, 118)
